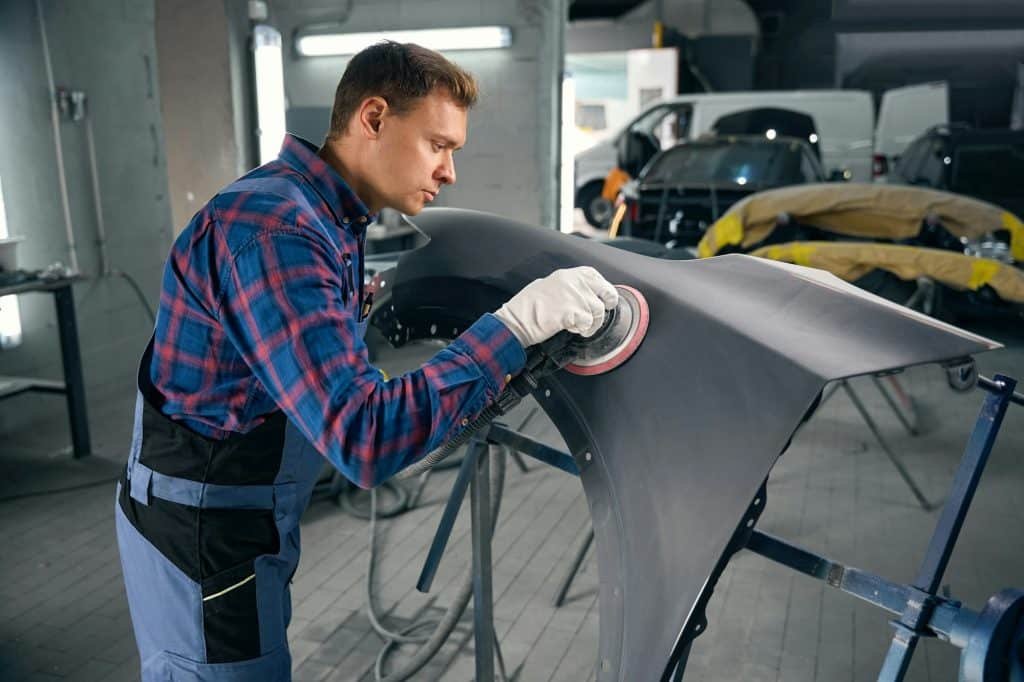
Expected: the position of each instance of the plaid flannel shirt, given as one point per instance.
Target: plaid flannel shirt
(259, 311)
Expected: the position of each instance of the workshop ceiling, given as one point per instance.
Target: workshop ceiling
(600, 9)
(613, 9)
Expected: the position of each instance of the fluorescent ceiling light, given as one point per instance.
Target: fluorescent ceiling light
(440, 39)
(270, 104)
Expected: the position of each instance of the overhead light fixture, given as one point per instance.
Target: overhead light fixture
(270, 104)
(440, 39)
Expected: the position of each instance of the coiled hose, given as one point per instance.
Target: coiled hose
(443, 627)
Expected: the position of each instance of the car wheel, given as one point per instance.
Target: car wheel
(596, 209)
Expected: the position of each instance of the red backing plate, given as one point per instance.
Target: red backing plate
(644, 316)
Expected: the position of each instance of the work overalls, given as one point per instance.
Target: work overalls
(208, 533)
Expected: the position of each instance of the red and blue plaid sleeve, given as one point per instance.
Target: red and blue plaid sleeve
(283, 307)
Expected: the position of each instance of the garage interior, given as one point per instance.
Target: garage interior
(120, 120)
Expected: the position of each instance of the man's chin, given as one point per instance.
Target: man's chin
(413, 208)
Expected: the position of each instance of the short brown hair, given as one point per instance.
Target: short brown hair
(401, 73)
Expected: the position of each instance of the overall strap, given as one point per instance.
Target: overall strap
(144, 481)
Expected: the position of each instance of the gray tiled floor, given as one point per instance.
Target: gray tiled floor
(63, 613)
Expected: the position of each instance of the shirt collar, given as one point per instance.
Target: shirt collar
(347, 207)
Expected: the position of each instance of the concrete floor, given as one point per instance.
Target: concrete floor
(64, 615)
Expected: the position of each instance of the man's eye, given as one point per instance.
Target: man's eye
(437, 147)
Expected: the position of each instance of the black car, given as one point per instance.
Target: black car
(986, 164)
(685, 189)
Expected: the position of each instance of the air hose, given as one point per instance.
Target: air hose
(402, 501)
(443, 627)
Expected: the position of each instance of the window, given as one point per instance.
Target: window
(809, 169)
(10, 316)
(909, 162)
(932, 171)
(751, 165)
(669, 125)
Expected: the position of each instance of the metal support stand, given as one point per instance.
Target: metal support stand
(916, 615)
(987, 638)
(451, 511)
(474, 476)
(582, 547)
(844, 385)
(904, 474)
(904, 409)
(483, 596)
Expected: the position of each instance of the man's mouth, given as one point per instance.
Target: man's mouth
(430, 195)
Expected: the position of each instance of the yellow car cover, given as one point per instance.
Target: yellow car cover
(852, 260)
(872, 211)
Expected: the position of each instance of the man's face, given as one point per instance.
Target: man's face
(414, 153)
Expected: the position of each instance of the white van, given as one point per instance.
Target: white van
(903, 114)
(844, 120)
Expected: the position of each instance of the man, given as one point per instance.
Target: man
(257, 369)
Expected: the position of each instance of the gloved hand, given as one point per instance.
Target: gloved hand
(574, 299)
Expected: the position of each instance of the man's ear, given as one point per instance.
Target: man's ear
(370, 115)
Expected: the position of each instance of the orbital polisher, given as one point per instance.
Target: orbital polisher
(616, 340)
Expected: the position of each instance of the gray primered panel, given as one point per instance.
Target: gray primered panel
(681, 436)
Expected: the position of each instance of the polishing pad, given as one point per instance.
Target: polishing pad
(617, 339)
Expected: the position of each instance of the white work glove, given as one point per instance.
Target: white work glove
(574, 299)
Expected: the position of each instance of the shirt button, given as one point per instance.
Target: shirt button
(508, 378)
(465, 422)
(345, 220)
(362, 219)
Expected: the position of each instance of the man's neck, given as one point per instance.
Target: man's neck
(334, 153)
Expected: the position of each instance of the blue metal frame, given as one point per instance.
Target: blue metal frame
(916, 617)
(984, 637)
(451, 511)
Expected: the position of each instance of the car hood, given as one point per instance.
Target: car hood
(674, 445)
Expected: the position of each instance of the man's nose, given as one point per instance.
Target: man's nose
(446, 171)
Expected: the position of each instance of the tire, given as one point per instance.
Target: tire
(596, 209)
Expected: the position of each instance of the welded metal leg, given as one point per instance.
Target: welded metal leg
(517, 442)
(909, 423)
(582, 548)
(904, 474)
(520, 462)
(483, 596)
(517, 457)
(451, 510)
(74, 383)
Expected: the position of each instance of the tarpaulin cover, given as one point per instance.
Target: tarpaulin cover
(869, 210)
(853, 260)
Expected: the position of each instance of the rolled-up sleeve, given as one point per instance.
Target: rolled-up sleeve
(285, 307)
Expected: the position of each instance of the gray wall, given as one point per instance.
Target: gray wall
(108, 50)
(510, 163)
(203, 69)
